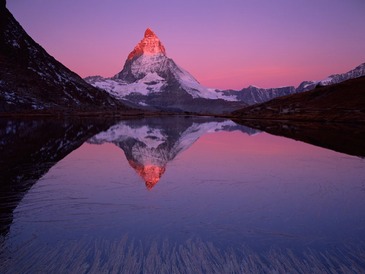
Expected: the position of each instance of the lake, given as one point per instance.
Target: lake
(176, 195)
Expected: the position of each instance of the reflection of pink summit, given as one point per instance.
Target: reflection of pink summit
(150, 144)
(151, 174)
(149, 45)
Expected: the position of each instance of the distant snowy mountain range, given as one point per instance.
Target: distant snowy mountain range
(150, 79)
(357, 72)
(149, 144)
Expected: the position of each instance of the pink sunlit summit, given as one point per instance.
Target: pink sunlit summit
(149, 45)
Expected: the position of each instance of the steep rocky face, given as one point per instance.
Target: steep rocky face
(149, 56)
(32, 80)
(151, 79)
(150, 70)
(149, 45)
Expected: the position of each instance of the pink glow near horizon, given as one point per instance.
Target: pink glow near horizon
(222, 44)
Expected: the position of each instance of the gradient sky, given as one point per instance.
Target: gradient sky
(224, 44)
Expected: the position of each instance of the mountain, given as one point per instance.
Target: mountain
(150, 144)
(150, 79)
(342, 102)
(32, 80)
(253, 95)
(357, 72)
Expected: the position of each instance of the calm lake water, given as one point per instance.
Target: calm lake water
(175, 195)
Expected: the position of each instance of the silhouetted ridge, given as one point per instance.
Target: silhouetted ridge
(32, 80)
(2, 3)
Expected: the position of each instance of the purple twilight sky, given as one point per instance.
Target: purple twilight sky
(224, 44)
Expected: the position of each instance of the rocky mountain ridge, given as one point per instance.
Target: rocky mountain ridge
(343, 102)
(150, 78)
(255, 95)
(33, 81)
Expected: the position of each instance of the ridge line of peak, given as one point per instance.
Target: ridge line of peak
(148, 33)
(149, 45)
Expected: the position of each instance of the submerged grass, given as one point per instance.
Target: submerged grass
(192, 256)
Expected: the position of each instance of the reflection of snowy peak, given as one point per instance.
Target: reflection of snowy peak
(157, 144)
(150, 144)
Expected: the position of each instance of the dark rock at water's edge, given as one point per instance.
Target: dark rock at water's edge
(33, 81)
(30, 147)
(344, 138)
(338, 103)
(2, 4)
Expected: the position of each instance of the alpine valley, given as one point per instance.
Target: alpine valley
(32, 81)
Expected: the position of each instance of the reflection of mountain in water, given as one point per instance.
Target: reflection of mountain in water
(28, 149)
(149, 144)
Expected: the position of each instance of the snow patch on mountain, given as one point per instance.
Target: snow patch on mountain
(357, 72)
(150, 83)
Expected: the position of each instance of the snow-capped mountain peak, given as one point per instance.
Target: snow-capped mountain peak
(151, 79)
(149, 45)
(357, 72)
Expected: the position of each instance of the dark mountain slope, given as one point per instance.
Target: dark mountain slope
(343, 102)
(32, 80)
